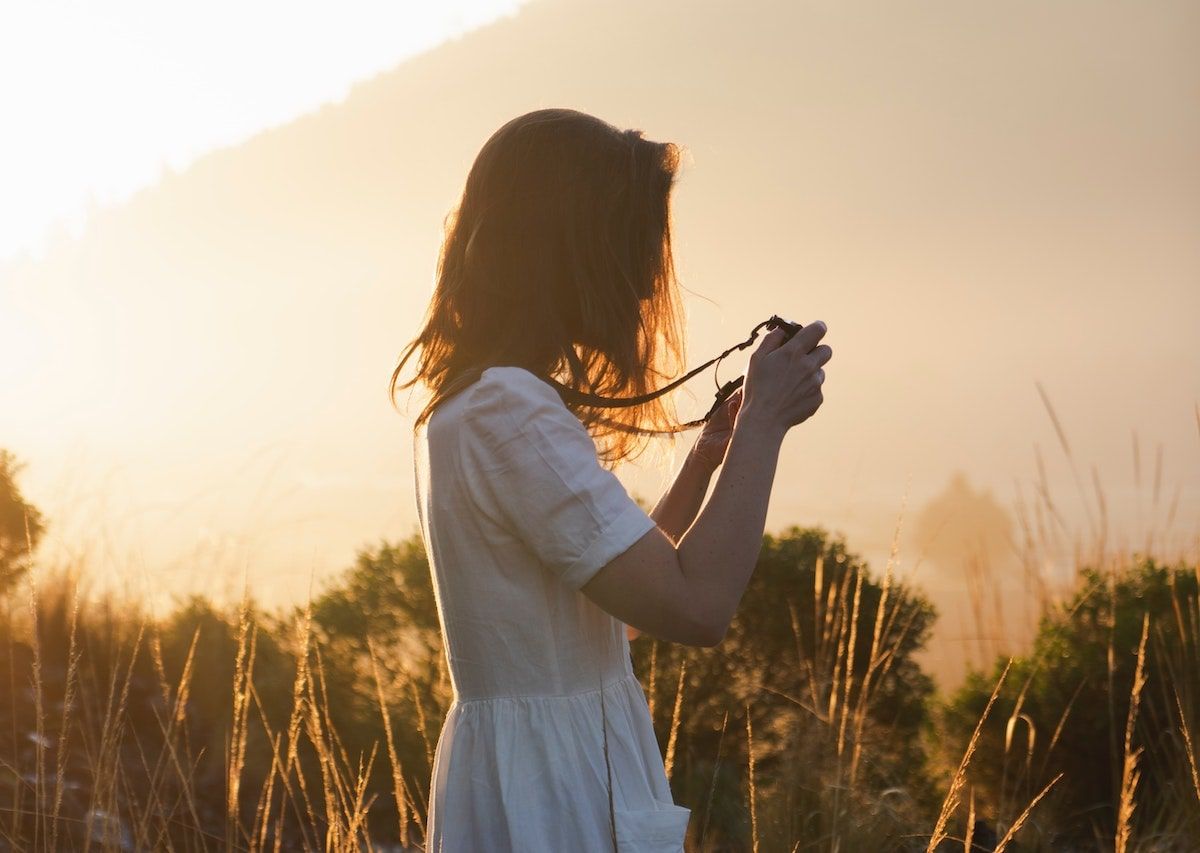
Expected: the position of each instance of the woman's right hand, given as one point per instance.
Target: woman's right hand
(783, 380)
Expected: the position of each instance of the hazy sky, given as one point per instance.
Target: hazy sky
(100, 98)
(979, 200)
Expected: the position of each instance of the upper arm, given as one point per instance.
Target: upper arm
(531, 466)
(645, 587)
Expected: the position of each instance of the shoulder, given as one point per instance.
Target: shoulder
(508, 386)
(507, 399)
(515, 380)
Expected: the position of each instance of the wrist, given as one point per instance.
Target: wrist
(764, 428)
(699, 464)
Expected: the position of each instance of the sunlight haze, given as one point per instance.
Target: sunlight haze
(105, 97)
(979, 199)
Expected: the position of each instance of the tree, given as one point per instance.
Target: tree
(21, 525)
(1064, 708)
(379, 620)
(791, 659)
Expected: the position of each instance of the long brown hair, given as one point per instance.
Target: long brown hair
(557, 258)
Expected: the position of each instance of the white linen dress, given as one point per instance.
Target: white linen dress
(517, 514)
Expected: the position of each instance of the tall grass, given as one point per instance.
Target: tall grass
(1092, 616)
(235, 731)
(103, 754)
(107, 760)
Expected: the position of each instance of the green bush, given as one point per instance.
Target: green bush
(1065, 706)
(839, 757)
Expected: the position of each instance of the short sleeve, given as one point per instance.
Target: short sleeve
(531, 465)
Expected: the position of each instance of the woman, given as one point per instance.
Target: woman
(557, 264)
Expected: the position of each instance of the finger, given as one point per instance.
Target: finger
(729, 408)
(807, 338)
(773, 340)
(821, 354)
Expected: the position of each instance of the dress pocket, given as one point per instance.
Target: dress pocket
(660, 830)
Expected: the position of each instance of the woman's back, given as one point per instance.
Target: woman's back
(517, 515)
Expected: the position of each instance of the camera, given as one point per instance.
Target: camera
(789, 327)
(723, 392)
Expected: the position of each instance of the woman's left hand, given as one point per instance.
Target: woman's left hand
(709, 448)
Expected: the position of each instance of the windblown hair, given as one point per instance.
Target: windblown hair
(557, 259)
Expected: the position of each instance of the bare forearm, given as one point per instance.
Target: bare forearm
(677, 508)
(718, 552)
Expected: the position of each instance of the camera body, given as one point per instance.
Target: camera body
(775, 322)
(788, 326)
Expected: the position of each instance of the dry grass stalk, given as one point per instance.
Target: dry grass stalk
(355, 815)
(848, 653)
(262, 815)
(675, 720)
(1058, 729)
(1062, 438)
(1010, 731)
(262, 808)
(13, 832)
(713, 788)
(818, 590)
(64, 728)
(106, 769)
(804, 662)
(950, 804)
(838, 620)
(652, 690)
(325, 762)
(752, 790)
(1112, 669)
(875, 659)
(421, 727)
(1130, 774)
(393, 757)
(340, 801)
(1020, 821)
(299, 714)
(278, 769)
(170, 751)
(970, 822)
(1187, 740)
(236, 741)
(39, 830)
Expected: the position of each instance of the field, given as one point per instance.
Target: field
(812, 727)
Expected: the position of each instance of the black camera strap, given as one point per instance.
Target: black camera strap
(723, 391)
